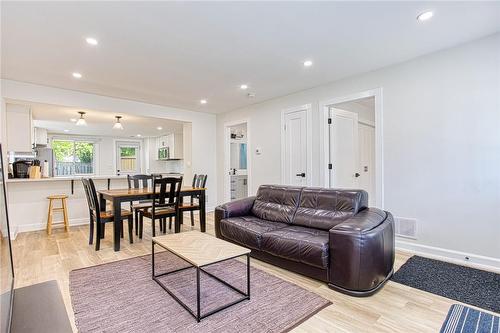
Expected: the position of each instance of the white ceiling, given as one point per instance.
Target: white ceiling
(56, 119)
(176, 53)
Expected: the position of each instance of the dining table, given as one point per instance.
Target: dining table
(118, 196)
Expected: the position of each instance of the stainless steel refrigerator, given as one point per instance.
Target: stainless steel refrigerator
(46, 154)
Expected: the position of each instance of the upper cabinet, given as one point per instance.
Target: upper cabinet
(174, 144)
(19, 129)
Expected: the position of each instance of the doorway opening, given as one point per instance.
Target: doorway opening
(236, 161)
(353, 144)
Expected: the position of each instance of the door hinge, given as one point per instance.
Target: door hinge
(329, 121)
(330, 166)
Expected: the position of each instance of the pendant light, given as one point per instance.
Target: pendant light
(118, 125)
(81, 121)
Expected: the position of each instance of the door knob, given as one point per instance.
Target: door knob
(357, 175)
(303, 175)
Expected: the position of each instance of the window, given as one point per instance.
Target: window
(73, 157)
(128, 160)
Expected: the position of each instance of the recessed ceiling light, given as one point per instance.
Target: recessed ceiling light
(138, 135)
(77, 75)
(308, 63)
(91, 41)
(425, 16)
(73, 120)
(244, 87)
(159, 128)
(203, 101)
(66, 130)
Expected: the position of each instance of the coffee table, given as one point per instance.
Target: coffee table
(200, 250)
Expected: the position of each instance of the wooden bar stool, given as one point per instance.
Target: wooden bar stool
(63, 208)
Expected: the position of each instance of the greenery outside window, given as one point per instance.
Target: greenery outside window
(73, 157)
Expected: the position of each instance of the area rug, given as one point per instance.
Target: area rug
(463, 319)
(121, 297)
(464, 284)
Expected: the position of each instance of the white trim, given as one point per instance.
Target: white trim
(227, 142)
(366, 122)
(308, 109)
(455, 257)
(379, 139)
(42, 226)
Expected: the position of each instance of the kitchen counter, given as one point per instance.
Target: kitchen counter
(66, 178)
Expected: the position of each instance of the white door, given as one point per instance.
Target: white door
(367, 160)
(295, 147)
(128, 158)
(344, 149)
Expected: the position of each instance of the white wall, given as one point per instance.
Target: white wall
(441, 142)
(203, 124)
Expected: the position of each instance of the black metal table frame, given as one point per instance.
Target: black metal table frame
(199, 269)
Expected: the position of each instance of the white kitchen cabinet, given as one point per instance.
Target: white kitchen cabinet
(40, 136)
(174, 142)
(19, 130)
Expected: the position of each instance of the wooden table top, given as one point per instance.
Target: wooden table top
(125, 192)
(199, 248)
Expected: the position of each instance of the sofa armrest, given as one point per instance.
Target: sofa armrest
(362, 252)
(235, 208)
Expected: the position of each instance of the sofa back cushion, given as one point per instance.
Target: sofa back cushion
(276, 203)
(324, 208)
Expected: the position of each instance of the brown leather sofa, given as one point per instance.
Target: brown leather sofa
(327, 234)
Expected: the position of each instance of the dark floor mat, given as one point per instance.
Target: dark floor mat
(464, 284)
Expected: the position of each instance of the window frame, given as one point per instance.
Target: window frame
(75, 140)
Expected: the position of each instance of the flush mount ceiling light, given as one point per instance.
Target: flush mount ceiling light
(244, 87)
(203, 101)
(73, 120)
(118, 125)
(308, 63)
(77, 75)
(81, 121)
(159, 128)
(91, 41)
(425, 16)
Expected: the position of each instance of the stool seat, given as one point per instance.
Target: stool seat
(53, 209)
(57, 196)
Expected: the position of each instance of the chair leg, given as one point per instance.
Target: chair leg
(136, 213)
(161, 224)
(153, 224)
(91, 227)
(49, 218)
(99, 232)
(141, 224)
(192, 218)
(65, 215)
(103, 231)
(121, 229)
(131, 229)
(170, 222)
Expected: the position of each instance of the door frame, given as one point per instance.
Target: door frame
(379, 138)
(227, 162)
(116, 141)
(309, 168)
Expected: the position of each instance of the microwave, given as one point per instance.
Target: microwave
(163, 153)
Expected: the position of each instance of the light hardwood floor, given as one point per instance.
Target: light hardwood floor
(396, 308)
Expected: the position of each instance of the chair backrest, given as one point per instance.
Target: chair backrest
(199, 180)
(166, 192)
(92, 201)
(140, 181)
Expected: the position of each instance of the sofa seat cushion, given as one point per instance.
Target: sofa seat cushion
(305, 245)
(247, 230)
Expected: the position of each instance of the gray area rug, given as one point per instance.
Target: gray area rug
(121, 297)
(464, 284)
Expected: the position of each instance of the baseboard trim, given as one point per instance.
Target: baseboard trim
(41, 226)
(452, 256)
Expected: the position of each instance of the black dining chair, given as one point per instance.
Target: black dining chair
(194, 205)
(99, 218)
(165, 203)
(140, 181)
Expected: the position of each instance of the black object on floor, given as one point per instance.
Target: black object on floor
(464, 284)
(40, 309)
